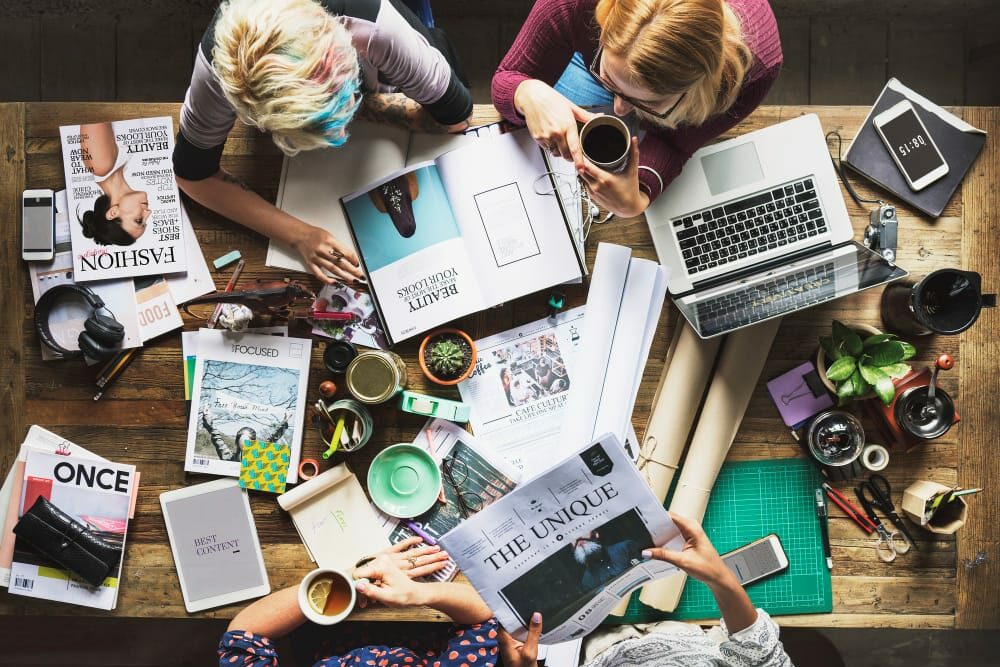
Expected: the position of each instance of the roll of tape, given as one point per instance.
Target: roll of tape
(305, 464)
(875, 457)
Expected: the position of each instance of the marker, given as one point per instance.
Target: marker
(421, 533)
(821, 515)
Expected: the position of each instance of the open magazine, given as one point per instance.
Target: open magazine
(124, 207)
(567, 544)
(467, 231)
(246, 387)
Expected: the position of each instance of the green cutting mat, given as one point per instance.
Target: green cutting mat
(752, 499)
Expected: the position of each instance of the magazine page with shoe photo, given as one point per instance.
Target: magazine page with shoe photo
(576, 532)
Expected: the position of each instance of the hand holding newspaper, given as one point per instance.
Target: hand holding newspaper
(567, 544)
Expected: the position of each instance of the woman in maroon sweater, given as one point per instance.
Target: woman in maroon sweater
(688, 69)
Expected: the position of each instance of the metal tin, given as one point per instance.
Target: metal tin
(922, 417)
(375, 376)
(359, 412)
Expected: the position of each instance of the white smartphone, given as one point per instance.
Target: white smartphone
(757, 560)
(38, 225)
(910, 145)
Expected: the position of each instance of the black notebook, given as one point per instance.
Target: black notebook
(958, 141)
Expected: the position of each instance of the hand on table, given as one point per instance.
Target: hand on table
(325, 256)
(551, 119)
(522, 654)
(697, 557)
(618, 193)
(411, 557)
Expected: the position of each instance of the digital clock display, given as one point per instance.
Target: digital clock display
(913, 147)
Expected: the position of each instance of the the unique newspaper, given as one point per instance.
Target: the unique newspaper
(567, 544)
(124, 207)
(521, 384)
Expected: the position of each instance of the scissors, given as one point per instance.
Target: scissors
(882, 499)
(887, 544)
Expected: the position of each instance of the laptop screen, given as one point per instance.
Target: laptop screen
(800, 284)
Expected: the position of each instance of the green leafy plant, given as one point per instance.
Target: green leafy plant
(446, 358)
(858, 366)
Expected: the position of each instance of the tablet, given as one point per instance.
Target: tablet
(214, 542)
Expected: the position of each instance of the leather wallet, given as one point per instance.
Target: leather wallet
(68, 542)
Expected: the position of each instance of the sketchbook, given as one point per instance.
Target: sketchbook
(246, 387)
(467, 231)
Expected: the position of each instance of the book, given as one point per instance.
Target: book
(480, 477)
(246, 387)
(189, 351)
(213, 539)
(336, 524)
(94, 492)
(264, 466)
(958, 142)
(467, 231)
(38, 439)
(124, 206)
(157, 312)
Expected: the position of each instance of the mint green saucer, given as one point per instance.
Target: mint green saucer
(403, 481)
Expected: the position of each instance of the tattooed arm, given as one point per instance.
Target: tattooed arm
(399, 110)
(322, 254)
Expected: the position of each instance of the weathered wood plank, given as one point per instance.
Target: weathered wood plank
(978, 463)
(928, 57)
(78, 58)
(12, 341)
(22, 44)
(163, 70)
(792, 86)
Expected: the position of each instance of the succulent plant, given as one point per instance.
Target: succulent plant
(445, 358)
(857, 366)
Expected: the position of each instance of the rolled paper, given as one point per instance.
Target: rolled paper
(685, 375)
(740, 365)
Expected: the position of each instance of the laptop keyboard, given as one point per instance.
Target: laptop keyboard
(772, 297)
(746, 227)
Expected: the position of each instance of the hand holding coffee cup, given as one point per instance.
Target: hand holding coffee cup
(606, 141)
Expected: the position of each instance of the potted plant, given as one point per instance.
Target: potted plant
(855, 362)
(447, 356)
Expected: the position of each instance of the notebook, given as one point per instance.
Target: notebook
(958, 141)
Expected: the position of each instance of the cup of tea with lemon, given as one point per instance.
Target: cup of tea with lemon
(327, 596)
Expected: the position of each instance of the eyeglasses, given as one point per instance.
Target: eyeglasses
(595, 71)
(456, 473)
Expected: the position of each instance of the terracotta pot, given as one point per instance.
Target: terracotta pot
(864, 330)
(427, 371)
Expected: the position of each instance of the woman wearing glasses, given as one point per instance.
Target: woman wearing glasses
(688, 69)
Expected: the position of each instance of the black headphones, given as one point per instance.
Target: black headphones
(101, 336)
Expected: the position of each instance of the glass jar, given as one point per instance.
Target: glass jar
(375, 376)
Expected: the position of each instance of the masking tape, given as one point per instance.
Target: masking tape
(304, 464)
(875, 457)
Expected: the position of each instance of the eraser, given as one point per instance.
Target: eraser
(227, 259)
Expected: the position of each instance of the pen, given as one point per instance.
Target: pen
(104, 383)
(340, 317)
(229, 288)
(420, 532)
(430, 450)
(821, 515)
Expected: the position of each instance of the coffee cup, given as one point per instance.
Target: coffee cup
(606, 141)
(327, 596)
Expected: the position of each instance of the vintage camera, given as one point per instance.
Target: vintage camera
(881, 233)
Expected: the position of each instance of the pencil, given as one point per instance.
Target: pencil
(420, 532)
(116, 373)
(229, 288)
(117, 362)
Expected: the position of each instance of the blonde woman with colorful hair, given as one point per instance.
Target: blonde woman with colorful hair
(686, 70)
(302, 70)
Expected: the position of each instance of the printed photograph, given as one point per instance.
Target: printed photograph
(365, 330)
(241, 403)
(531, 369)
(402, 216)
(118, 216)
(572, 575)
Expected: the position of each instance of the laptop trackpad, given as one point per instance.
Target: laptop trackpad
(732, 168)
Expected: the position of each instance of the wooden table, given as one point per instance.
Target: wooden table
(143, 420)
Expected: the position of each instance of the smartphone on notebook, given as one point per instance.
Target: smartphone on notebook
(757, 560)
(910, 144)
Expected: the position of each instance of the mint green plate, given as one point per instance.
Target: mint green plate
(403, 481)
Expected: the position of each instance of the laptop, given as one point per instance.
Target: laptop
(755, 228)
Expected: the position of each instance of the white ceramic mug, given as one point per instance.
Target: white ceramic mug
(312, 614)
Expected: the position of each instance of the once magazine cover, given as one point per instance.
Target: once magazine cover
(246, 387)
(124, 207)
(96, 493)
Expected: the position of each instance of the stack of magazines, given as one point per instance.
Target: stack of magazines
(92, 491)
